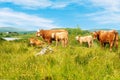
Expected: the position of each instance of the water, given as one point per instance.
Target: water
(10, 39)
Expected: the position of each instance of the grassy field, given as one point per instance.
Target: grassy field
(75, 62)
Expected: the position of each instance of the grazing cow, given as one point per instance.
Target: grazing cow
(35, 42)
(104, 37)
(61, 36)
(83, 39)
(47, 34)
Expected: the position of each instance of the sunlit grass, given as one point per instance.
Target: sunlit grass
(75, 62)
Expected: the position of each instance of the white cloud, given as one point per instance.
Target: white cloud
(31, 4)
(110, 18)
(36, 4)
(60, 4)
(64, 3)
(109, 5)
(108, 10)
(109, 13)
(10, 18)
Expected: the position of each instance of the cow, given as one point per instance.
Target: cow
(104, 37)
(35, 42)
(61, 37)
(47, 34)
(85, 39)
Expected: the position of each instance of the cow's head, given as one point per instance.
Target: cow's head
(39, 33)
(95, 34)
(77, 38)
(32, 41)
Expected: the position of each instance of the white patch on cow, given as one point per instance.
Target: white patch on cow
(31, 42)
(38, 34)
(53, 35)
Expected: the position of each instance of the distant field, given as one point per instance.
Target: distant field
(75, 62)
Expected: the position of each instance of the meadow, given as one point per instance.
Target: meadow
(75, 62)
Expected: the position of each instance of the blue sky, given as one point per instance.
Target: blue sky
(47, 14)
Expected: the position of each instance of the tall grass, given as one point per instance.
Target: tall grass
(75, 62)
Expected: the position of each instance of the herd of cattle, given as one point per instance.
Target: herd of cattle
(60, 35)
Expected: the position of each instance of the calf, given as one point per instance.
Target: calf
(83, 39)
(61, 36)
(35, 42)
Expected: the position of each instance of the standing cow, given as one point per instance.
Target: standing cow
(83, 39)
(47, 34)
(104, 37)
(61, 37)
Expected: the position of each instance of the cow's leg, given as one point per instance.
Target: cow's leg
(49, 41)
(89, 44)
(66, 41)
(92, 43)
(80, 42)
(111, 45)
(104, 44)
(56, 42)
(101, 44)
(62, 42)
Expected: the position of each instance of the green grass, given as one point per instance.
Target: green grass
(75, 62)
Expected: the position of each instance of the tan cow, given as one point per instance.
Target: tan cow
(62, 37)
(84, 39)
(35, 42)
(47, 34)
(104, 37)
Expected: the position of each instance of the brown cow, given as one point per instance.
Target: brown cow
(83, 39)
(104, 37)
(35, 42)
(62, 37)
(47, 34)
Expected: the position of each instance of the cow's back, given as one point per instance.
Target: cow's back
(61, 35)
(86, 38)
(106, 36)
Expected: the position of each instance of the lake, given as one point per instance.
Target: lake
(10, 39)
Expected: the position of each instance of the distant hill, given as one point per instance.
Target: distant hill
(98, 29)
(11, 29)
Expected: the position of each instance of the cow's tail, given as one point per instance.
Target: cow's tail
(116, 39)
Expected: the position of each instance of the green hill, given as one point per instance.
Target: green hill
(11, 29)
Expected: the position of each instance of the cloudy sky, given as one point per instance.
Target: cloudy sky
(47, 14)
